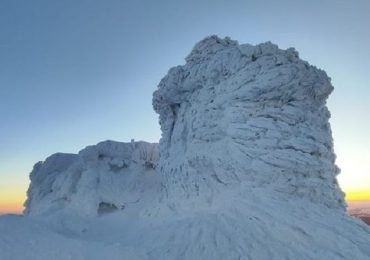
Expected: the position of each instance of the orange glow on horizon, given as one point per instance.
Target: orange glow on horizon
(11, 200)
(13, 203)
(358, 194)
(6, 208)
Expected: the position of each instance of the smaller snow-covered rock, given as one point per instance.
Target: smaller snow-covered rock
(101, 178)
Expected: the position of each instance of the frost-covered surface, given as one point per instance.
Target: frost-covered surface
(101, 178)
(246, 172)
(246, 114)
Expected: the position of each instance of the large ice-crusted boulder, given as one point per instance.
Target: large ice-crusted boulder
(247, 158)
(101, 178)
(251, 115)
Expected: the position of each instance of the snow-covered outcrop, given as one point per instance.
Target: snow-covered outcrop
(247, 155)
(251, 115)
(101, 178)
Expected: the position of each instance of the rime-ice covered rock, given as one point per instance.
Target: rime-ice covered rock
(247, 156)
(250, 115)
(101, 178)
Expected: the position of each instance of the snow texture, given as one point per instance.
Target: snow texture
(105, 177)
(250, 115)
(247, 171)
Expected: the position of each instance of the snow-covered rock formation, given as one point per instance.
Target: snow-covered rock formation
(247, 171)
(251, 115)
(247, 155)
(101, 178)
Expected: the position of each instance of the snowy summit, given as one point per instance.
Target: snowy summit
(245, 169)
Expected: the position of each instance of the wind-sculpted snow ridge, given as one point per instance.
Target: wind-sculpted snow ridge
(251, 115)
(101, 178)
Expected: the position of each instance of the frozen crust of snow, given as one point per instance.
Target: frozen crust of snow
(101, 178)
(246, 114)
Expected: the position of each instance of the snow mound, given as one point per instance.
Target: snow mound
(251, 115)
(99, 179)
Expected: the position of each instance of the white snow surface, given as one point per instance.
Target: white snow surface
(246, 171)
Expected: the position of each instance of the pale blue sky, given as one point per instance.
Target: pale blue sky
(73, 72)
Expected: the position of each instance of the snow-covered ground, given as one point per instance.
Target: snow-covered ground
(260, 227)
(246, 171)
(274, 229)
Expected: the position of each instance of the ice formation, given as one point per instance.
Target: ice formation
(246, 143)
(101, 178)
(246, 171)
(250, 115)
